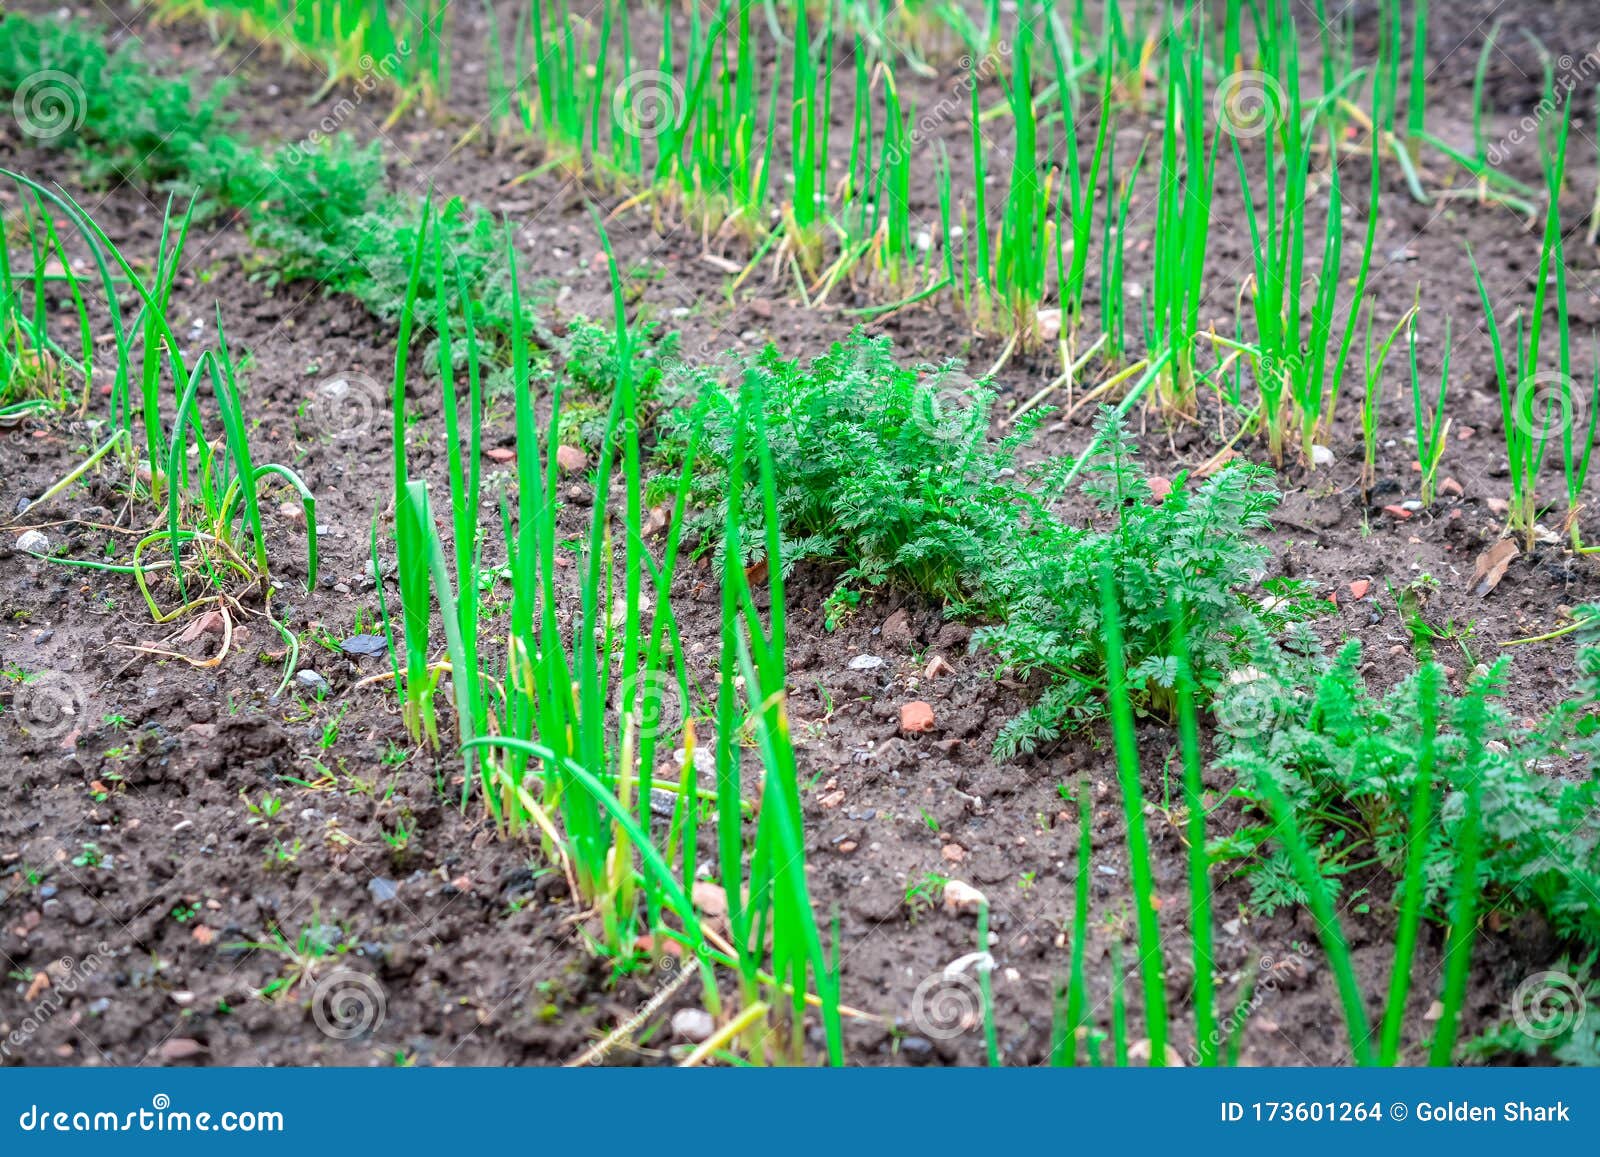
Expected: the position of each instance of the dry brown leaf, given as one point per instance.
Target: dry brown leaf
(1491, 566)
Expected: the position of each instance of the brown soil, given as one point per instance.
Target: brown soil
(476, 954)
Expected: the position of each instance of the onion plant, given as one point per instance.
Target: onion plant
(1429, 422)
(403, 46)
(560, 725)
(1299, 341)
(1536, 403)
(209, 488)
(1183, 216)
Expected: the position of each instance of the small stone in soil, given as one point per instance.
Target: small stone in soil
(383, 890)
(916, 1049)
(693, 1024)
(960, 896)
(308, 680)
(865, 663)
(364, 645)
(33, 542)
(896, 629)
(916, 716)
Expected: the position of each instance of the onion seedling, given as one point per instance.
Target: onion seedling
(1429, 423)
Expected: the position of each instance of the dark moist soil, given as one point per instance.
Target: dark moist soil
(153, 952)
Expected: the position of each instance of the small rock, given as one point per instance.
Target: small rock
(364, 644)
(571, 459)
(896, 629)
(937, 666)
(663, 802)
(916, 716)
(955, 853)
(292, 512)
(963, 897)
(181, 1049)
(693, 1024)
(1499, 507)
(1321, 456)
(1049, 323)
(499, 454)
(383, 889)
(1159, 488)
(710, 899)
(916, 1049)
(308, 680)
(865, 663)
(1451, 486)
(33, 542)
(1399, 512)
(1359, 588)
